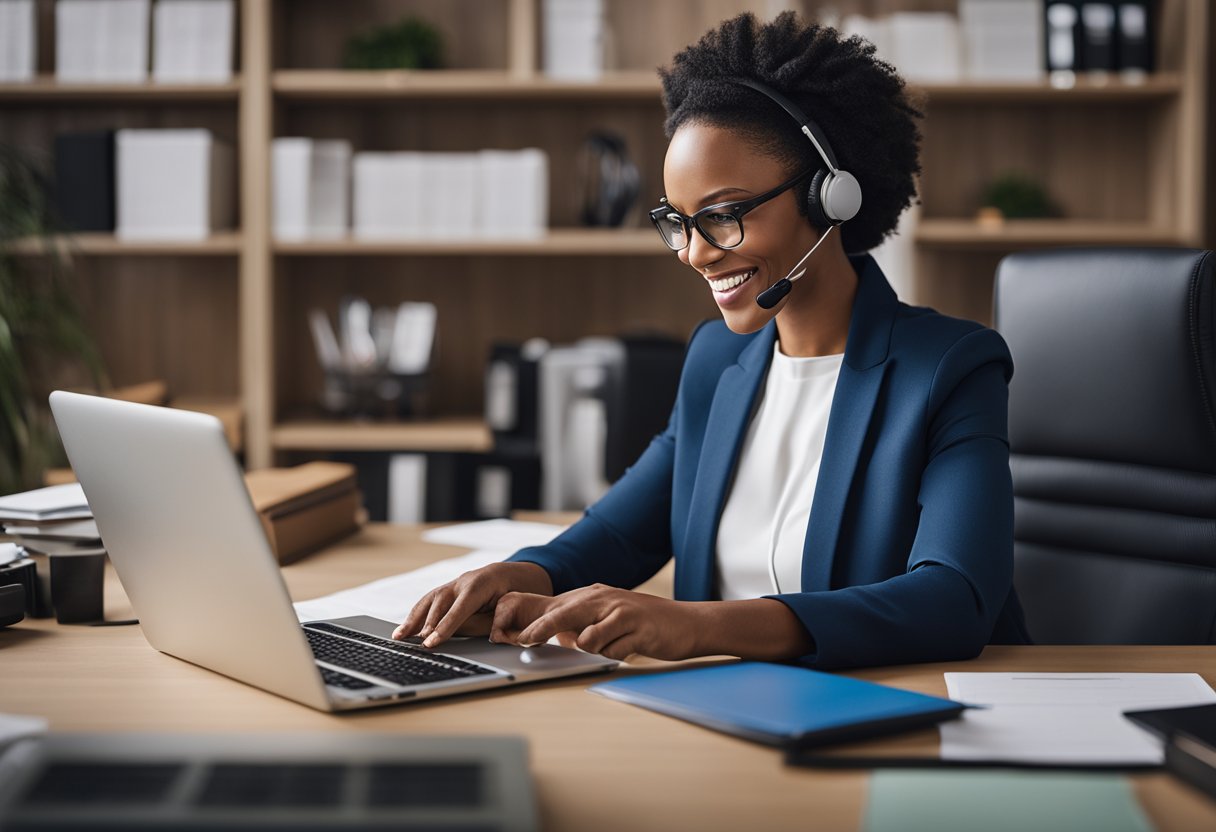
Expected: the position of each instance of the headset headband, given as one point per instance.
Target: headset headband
(809, 127)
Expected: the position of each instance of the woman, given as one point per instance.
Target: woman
(821, 390)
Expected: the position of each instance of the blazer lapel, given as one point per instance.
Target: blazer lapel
(857, 391)
(725, 429)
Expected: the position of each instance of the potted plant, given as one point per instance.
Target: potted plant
(40, 326)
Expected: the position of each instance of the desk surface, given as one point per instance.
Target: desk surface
(598, 764)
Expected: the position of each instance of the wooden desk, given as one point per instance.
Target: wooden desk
(598, 764)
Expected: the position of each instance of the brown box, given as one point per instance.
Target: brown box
(306, 507)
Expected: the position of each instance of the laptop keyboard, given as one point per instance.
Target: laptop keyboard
(392, 661)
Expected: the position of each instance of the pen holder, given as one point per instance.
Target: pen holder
(77, 584)
(376, 394)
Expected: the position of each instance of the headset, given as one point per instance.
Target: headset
(833, 197)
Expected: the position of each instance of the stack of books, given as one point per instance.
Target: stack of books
(574, 39)
(311, 180)
(173, 184)
(51, 521)
(102, 41)
(306, 507)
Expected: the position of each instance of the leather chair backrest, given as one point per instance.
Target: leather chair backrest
(1112, 430)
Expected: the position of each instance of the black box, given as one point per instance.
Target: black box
(83, 194)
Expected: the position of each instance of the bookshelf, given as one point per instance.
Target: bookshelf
(226, 317)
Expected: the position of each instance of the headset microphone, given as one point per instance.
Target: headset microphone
(772, 296)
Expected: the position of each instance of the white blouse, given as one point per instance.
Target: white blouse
(763, 526)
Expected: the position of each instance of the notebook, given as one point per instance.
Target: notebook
(781, 705)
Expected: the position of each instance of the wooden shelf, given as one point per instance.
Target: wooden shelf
(47, 88)
(107, 245)
(643, 85)
(345, 85)
(575, 241)
(468, 434)
(965, 234)
(1153, 88)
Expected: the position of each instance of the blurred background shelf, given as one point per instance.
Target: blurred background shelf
(347, 85)
(108, 245)
(574, 241)
(963, 234)
(45, 88)
(453, 434)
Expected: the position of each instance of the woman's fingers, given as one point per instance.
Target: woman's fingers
(417, 615)
(515, 611)
(463, 606)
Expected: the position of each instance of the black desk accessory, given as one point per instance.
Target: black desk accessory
(1190, 741)
(12, 604)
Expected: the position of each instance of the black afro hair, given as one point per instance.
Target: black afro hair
(858, 101)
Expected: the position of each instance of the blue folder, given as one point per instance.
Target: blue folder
(781, 705)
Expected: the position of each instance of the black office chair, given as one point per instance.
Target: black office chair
(1112, 430)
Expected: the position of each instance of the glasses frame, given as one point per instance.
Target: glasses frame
(737, 209)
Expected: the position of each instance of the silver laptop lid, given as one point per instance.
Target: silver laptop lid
(181, 530)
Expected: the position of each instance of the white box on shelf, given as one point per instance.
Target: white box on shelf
(173, 184)
(311, 188)
(192, 41)
(388, 202)
(101, 41)
(573, 45)
(925, 47)
(514, 197)
(450, 193)
(1002, 39)
(18, 40)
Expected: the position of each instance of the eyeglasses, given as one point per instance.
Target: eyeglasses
(721, 225)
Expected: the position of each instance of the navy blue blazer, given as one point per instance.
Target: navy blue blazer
(909, 549)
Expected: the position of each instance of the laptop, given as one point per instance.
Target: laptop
(189, 548)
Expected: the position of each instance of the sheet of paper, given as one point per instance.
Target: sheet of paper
(497, 535)
(1063, 717)
(392, 598)
(1001, 801)
(55, 501)
(15, 727)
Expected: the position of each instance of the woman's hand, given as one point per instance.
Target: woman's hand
(615, 623)
(465, 606)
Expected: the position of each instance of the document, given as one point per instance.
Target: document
(392, 598)
(503, 535)
(1063, 718)
(1001, 801)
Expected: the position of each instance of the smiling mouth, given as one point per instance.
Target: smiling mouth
(728, 283)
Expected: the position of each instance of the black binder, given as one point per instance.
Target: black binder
(84, 180)
(1190, 741)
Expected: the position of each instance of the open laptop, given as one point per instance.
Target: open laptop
(181, 530)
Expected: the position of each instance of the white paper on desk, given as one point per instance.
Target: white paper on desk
(499, 535)
(1063, 717)
(14, 727)
(392, 598)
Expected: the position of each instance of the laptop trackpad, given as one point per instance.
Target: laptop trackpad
(543, 658)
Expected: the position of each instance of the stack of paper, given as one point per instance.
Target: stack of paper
(18, 40)
(1002, 39)
(192, 41)
(173, 184)
(574, 39)
(454, 196)
(101, 41)
(51, 521)
(311, 188)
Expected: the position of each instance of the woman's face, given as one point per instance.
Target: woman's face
(708, 165)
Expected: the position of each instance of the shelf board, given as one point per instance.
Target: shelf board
(106, 245)
(1153, 87)
(347, 85)
(643, 85)
(465, 434)
(562, 241)
(47, 88)
(967, 234)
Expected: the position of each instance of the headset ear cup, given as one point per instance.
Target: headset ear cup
(814, 200)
